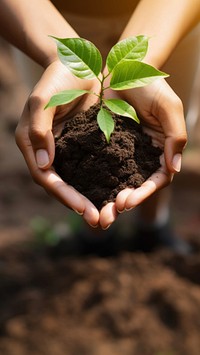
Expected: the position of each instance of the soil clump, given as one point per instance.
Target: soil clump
(100, 170)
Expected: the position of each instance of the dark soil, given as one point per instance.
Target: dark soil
(100, 170)
(132, 304)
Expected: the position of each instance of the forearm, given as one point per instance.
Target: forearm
(166, 22)
(27, 25)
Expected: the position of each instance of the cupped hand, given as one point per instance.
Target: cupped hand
(162, 117)
(37, 128)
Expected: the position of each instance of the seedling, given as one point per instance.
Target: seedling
(124, 66)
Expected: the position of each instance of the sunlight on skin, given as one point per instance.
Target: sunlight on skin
(71, 198)
(91, 214)
(141, 193)
(67, 195)
(108, 215)
(126, 200)
(121, 199)
(130, 198)
(64, 192)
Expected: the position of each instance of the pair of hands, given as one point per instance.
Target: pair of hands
(161, 114)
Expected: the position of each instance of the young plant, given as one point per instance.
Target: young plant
(125, 68)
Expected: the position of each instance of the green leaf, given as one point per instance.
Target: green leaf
(121, 107)
(106, 123)
(65, 97)
(130, 74)
(134, 48)
(80, 56)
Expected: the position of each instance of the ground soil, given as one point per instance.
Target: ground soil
(130, 303)
(100, 170)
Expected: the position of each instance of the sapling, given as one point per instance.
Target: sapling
(124, 67)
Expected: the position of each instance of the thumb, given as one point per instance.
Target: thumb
(173, 153)
(171, 115)
(40, 133)
(44, 155)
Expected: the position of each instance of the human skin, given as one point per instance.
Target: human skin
(175, 19)
(32, 22)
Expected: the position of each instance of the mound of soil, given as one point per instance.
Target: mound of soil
(131, 304)
(100, 170)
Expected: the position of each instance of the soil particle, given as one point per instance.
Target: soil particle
(100, 170)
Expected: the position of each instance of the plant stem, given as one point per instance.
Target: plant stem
(101, 95)
(101, 91)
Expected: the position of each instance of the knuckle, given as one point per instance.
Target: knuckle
(35, 102)
(175, 101)
(36, 134)
(177, 107)
(17, 135)
(181, 140)
(178, 103)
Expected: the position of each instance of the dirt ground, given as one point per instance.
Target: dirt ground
(130, 303)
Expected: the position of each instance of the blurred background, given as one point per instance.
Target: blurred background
(57, 303)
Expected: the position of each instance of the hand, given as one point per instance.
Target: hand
(37, 128)
(161, 115)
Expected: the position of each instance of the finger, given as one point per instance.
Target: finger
(173, 124)
(70, 197)
(158, 180)
(108, 215)
(173, 153)
(121, 199)
(91, 214)
(40, 131)
(52, 183)
(66, 194)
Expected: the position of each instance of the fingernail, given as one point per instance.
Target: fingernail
(93, 225)
(177, 162)
(122, 211)
(104, 228)
(42, 158)
(80, 213)
(128, 209)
